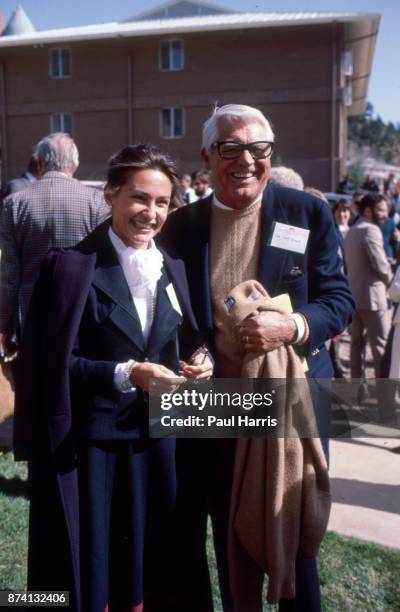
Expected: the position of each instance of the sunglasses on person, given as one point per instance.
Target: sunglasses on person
(229, 149)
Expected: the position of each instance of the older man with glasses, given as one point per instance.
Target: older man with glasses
(285, 239)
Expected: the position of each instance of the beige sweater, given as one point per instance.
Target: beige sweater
(234, 253)
(280, 499)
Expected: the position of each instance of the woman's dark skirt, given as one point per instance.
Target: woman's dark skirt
(127, 500)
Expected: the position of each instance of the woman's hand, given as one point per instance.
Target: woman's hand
(199, 366)
(143, 372)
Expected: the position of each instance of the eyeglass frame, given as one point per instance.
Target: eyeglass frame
(243, 147)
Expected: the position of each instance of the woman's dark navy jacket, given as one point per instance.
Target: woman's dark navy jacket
(84, 289)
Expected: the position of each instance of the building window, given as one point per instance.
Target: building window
(60, 63)
(61, 122)
(171, 54)
(172, 122)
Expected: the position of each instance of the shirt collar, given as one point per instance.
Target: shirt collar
(121, 247)
(218, 203)
(30, 176)
(142, 267)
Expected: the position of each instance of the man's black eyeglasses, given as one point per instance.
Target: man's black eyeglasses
(229, 149)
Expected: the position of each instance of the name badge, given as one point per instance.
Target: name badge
(173, 299)
(289, 237)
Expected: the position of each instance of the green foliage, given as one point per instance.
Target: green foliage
(357, 575)
(382, 138)
(354, 576)
(357, 175)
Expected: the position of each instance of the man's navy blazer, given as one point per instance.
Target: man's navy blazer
(314, 281)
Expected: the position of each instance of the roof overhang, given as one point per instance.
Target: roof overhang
(182, 25)
(361, 39)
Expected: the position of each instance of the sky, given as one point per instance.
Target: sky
(384, 85)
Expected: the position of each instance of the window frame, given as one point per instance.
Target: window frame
(62, 114)
(170, 42)
(59, 52)
(171, 109)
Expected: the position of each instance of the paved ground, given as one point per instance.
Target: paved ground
(365, 478)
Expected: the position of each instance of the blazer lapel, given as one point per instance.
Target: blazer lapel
(199, 263)
(110, 279)
(272, 260)
(166, 318)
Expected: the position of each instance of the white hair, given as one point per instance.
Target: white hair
(237, 111)
(286, 177)
(58, 151)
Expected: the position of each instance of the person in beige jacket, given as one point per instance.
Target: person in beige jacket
(369, 275)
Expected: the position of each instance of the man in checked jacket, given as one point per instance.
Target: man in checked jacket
(55, 212)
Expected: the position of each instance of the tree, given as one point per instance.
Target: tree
(370, 131)
(357, 175)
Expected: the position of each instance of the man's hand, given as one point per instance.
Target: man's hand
(200, 366)
(142, 373)
(267, 331)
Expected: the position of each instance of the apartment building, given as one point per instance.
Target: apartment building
(155, 77)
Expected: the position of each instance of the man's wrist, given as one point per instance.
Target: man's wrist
(292, 330)
(301, 328)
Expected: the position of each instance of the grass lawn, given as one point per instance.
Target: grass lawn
(355, 576)
(13, 523)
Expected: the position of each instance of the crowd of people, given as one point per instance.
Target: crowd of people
(390, 186)
(369, 224)
(103, 292)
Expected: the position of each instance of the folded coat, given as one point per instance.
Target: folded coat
(280, 501)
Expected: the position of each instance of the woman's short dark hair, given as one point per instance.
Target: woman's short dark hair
(142, 156)
(341, 204)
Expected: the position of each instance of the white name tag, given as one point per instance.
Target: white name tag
(173, 299)
(289, 237)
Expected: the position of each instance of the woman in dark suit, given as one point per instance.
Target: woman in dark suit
(107, 317)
